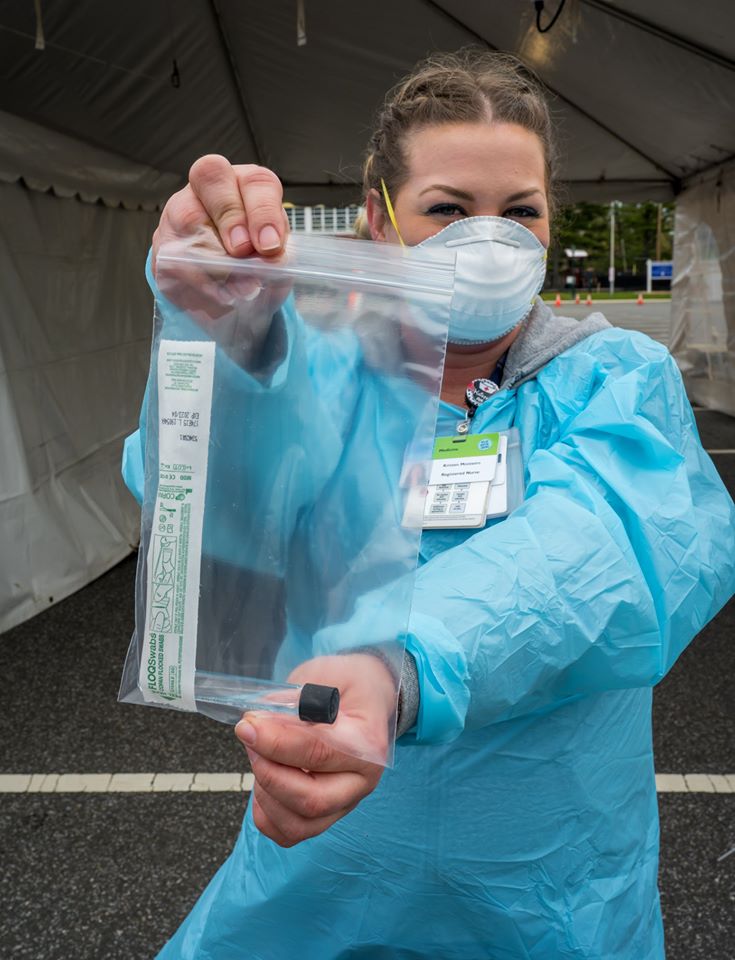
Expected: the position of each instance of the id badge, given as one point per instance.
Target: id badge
(452, 490)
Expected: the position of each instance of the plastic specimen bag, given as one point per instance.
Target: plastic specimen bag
(282, 401)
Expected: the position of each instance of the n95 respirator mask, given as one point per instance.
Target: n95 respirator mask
(500, 268)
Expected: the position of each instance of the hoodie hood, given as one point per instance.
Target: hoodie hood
(543, 336)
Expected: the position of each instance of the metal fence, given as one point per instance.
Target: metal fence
(323, 219)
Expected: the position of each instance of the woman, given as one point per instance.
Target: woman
(520, 819)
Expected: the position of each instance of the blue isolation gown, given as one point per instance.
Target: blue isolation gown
(520, 820)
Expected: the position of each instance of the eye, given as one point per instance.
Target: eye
(522, 213)
(446, 210)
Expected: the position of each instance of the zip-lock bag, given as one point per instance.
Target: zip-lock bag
(283, 398)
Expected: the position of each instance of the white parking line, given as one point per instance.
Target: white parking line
(243, 782)
(720, 452)
(126, 782)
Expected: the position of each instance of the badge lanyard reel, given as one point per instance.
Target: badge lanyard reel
(480, 390)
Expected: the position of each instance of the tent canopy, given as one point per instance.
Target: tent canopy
(629, 82)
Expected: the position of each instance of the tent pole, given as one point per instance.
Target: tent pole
(709, 168)
(260, 153)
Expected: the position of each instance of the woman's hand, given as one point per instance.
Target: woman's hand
(304, 782)
(224, 210)
(238, 208)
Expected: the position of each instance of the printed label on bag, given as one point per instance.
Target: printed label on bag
(185, 378)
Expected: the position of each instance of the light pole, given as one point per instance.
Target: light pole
(611, 270)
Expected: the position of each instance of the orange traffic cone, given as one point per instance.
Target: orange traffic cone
(557, 302)
(588, 301)
(576, 299)
(640, 301)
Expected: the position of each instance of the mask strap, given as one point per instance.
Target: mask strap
(391, 211)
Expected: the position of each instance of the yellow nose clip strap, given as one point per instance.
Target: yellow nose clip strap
(391, 211)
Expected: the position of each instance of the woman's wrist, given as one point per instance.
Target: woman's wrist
(402, 667)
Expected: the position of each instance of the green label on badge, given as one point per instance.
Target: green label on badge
(469, 445)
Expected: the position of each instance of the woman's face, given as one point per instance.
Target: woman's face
(462, 170)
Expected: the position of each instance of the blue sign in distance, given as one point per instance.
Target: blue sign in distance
(661, 270)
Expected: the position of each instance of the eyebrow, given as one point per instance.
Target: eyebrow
(523, 194)
(463, 195)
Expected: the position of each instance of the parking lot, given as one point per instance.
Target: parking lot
(652, 318)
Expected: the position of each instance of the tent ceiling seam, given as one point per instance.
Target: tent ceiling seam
(709, 168)
(662, 33)
(674, 179)
(259, 151)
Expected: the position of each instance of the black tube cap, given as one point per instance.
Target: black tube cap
(318, 704)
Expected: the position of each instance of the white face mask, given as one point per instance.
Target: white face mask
(500, 268)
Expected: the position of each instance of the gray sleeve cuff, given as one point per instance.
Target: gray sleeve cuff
(408, 695)
(408, 682)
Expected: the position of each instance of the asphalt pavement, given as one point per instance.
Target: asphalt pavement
(652, 317)
(92, 875)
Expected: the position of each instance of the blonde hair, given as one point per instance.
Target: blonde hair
(468, 86)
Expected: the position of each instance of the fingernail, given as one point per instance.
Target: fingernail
(245, 731)
(239, 236)
(250, 293)
(268, 238)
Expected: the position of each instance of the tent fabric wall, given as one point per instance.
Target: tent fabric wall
(74, 352)
(703, 291)
(44, 160)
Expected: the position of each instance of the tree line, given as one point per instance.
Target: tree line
(642, 231)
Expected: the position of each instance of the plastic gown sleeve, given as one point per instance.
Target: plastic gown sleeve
(621, 553)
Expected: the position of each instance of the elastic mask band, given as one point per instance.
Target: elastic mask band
(391, 211)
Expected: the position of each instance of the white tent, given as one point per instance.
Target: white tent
(105, 106)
